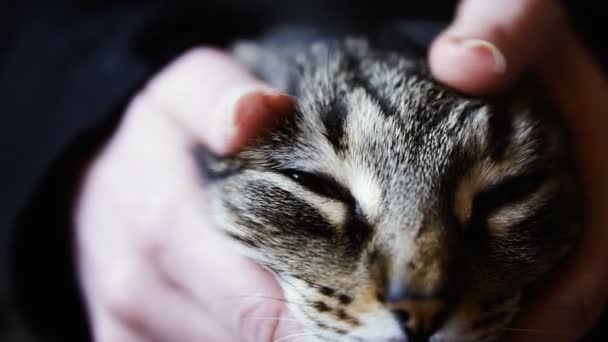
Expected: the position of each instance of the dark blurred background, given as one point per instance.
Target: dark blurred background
(63, 62)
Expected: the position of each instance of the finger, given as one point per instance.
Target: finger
(106, 328)
(126, 297)
(239, 293)
(491, 42)
(153, 320)
(215, 99)
(131, 300)
(575, 297)
(156, 311)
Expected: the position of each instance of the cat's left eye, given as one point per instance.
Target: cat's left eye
(320, 184)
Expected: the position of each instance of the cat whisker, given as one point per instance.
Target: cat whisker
(302, 334)
(278, 299)
(269, 319)
(298, 339)
(537, 331)
(302, 338)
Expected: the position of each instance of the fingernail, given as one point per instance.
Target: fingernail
(500, 62)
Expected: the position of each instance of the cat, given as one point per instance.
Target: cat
(390, 207)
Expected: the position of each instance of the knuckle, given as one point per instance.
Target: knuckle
(188, 61)
(197, 53)
(128, 312)
(124, 299)
(255, 312)
(179, 71)
(106, 328)
(152, 247)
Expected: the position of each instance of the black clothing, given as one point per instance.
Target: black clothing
(68, 68)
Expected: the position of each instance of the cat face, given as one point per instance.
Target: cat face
(393, 209)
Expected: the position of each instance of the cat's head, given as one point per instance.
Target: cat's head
(393, 209)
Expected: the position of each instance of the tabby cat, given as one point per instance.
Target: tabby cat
(390, 207)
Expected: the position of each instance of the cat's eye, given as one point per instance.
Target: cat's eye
(321, 184)
(508, 191)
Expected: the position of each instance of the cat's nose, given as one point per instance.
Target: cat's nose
(418, 316)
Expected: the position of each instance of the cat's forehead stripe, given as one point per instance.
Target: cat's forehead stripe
(366, 190)
(333, 118)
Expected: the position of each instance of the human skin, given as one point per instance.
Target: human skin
(151, 264)
(535, 34)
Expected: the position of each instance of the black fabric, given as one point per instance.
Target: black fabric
(66, 70)
(66, 64)
(44, 279)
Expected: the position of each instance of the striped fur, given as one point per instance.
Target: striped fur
(381, 175)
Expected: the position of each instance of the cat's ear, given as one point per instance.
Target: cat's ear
(267, 64)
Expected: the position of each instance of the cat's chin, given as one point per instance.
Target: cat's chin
(320, 337)
(383, 328)
(439, 337)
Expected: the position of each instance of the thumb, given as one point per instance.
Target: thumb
(491, 42)
(578, 289)
(215, 99)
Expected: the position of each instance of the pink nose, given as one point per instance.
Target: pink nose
(419, 318)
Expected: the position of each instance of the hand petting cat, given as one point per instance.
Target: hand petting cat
(154, 269)
(483, 51)
(151, 265)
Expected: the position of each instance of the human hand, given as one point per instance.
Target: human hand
(132, 265)
(485, 50)
(151, 265)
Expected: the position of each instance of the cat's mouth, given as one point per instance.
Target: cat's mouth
(328, 319)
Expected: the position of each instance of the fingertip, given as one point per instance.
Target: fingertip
(472, 66)
(254, 114)
(490, 43)
(243, 113)
(281, 103)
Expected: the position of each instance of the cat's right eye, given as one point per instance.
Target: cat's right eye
(509, 190)
(320, 184)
